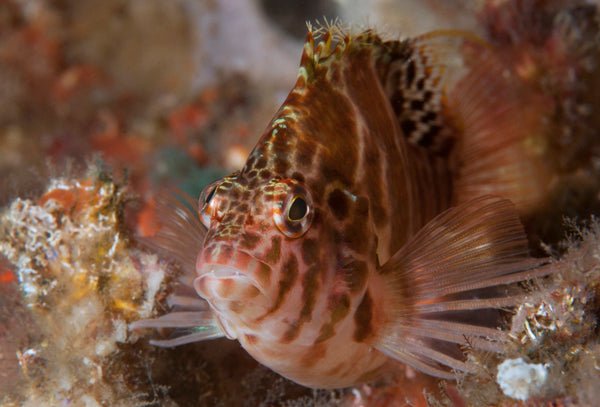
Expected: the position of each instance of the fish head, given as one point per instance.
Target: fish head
(253, 246)
(279, 248)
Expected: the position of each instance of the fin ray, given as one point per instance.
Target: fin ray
(469, 305)
(179, 238)
(497, 122)
(213, 333)
(181, 319)
(452, 280)
(202, 324)
(180, 234)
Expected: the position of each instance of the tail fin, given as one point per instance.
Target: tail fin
(179, 237)
(500, 133)
(449, 282)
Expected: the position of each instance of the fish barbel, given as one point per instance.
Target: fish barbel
(373, 223)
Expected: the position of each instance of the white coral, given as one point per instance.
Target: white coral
(519, 379)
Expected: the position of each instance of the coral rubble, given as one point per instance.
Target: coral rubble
(81, 285)
(72, 282)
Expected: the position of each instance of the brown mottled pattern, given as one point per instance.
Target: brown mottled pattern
(339, 308)
(338, 204)
(337, 135)
(314, 355)
(357, 277)
(310, 251)
(309, 295)
(288, 278)
(249, 240)
(363, 318)
(264, 274)
(251, 339)
(334, 371)
(310, 285)
(274, 253)
(382, 147)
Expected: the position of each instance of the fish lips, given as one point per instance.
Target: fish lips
(223, 283)
(226, 283)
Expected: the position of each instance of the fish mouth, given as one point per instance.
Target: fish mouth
(223, 271)
(238, 280)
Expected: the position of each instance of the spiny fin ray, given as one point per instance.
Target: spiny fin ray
(179, 238)
(451, 280)
(414, 74)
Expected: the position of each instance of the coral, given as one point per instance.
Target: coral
(519, 380)
(554, 327)
(554, 48)
(81, 285)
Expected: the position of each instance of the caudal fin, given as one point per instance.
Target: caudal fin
(447, 285)
(499, 123)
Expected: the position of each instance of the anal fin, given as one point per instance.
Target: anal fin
(448, 285)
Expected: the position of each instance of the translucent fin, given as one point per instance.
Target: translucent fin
(192, 326)
(415, 75)
(181, 234)
(176, 320)
(180, 237)
(204, 333)
(449, 283)
(500, 133)
(187, 302)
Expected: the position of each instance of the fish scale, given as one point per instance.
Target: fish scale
(351, 241)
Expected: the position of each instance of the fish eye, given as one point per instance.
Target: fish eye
(208, 204)
(210, 195)
(298, 209)
(293, 215)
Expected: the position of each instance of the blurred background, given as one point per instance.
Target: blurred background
(178, 89)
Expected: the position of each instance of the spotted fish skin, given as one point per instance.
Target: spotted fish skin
(302, 260)
(338, 136)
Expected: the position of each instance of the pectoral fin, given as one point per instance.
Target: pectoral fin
(448, 284)
(179, 238)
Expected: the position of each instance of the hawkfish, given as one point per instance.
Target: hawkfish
(375, 224)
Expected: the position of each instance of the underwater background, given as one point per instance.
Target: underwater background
(105, 103)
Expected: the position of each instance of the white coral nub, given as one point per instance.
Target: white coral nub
(519, 380)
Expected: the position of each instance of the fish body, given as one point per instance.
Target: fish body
(350, 241)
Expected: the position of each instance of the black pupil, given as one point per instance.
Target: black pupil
(210, 195)
(298, 209)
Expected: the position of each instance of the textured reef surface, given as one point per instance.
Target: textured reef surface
(102, 104)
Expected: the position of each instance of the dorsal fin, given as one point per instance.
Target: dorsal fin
(415, 74)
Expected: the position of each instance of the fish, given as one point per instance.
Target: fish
(376, 224)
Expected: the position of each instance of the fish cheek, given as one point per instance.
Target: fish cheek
(356, 230)
(339, 204)
(363, 318)
(357, 277)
